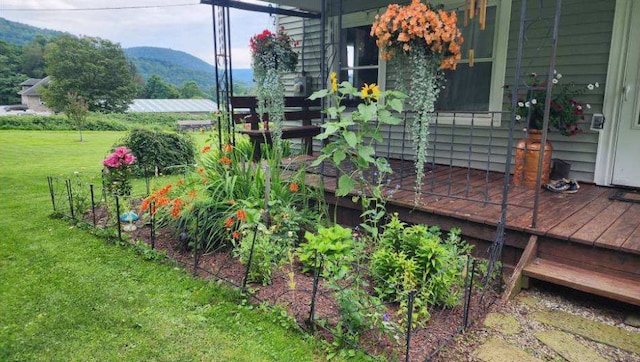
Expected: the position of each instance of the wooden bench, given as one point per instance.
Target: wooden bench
(298, 109)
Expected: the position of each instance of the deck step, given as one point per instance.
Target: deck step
(613, 287)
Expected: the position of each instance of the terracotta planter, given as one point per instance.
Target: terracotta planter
(527, 155)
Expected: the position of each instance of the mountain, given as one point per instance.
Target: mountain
(18, 33)
(176, 57)
(173, 66)
(176, 67)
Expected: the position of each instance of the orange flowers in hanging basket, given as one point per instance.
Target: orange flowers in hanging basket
(401, 29)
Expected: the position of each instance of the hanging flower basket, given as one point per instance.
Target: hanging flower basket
(429, 40)
(272, 54)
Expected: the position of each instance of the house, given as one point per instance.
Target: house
(30, 94)
(588, 241)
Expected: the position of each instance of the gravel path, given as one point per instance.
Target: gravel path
(518, 323)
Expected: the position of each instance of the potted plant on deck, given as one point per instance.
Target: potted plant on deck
(564, 114)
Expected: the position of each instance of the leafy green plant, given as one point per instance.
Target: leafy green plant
(333, 244)
(352, 137)
(161, 152)
(417, 258)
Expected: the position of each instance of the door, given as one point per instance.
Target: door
(626, 163)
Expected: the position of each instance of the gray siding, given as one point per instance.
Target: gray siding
(582, 56)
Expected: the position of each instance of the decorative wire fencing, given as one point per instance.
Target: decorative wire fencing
(339, 307)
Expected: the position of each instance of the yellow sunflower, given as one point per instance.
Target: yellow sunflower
(370, 91)
(334, 81)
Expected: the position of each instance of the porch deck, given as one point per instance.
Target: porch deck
(588, 217)
(590, 231)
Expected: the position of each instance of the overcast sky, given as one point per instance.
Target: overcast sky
(187, 27)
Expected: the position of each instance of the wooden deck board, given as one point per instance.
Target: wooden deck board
(591, 231)
(586, 217)
(553, 210)
(613, 287)
(616, 235)
(632, 244)
(571, 225)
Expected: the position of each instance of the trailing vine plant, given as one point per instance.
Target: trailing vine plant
(430, 39)
(272, 55)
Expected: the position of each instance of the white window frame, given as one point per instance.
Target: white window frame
(353, 20)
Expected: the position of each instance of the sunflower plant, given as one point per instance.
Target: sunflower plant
(350, 137)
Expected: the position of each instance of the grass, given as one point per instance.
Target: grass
(67, 295)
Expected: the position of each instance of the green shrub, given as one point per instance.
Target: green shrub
(416, 258)
(161, 151)
(98, 121)
(334, 244)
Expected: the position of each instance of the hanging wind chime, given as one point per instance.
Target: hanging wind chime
(473, 7)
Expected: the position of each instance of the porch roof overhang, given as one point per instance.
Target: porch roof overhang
(346, 6)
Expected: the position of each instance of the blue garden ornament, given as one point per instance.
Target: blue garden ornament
(129, 217)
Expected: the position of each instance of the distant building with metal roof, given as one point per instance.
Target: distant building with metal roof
(172, 106)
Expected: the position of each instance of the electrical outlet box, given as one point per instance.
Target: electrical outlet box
(302, 86)
(597, 122)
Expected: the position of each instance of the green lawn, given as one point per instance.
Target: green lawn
(67, 295)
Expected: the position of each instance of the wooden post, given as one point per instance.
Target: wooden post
(517, 280)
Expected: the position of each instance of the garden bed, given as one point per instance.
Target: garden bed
(292, 289)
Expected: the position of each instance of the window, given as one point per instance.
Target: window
(360, 58)
(479, 88)
(468, 87)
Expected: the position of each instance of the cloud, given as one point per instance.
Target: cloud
(188, 28)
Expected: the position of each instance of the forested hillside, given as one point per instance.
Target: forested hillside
(178, 74)
(19, 34)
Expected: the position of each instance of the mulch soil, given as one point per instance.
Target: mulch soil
(293, 292)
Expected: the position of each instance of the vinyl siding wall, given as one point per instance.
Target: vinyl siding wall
(582, 56)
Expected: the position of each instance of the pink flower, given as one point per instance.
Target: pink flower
(120, 156)
(112, 161)
(129, 158)
(121, 151)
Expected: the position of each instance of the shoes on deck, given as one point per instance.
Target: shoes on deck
(564, 186)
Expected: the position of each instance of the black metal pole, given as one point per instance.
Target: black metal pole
(153, 224)
(147, 180)
(93, 205)
(467, 295)
(70, 196)
(195, 245)
(547, 108)
(118, 218)
(412, 298)
(52, 192)
(316, 281)
(246, 272)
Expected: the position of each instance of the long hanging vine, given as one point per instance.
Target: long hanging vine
(430, 40)
(272, 55)
(425, 89)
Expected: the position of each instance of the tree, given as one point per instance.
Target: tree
(156, 88)
(76, 110)
(191, 90)
(93, 68)
(10, 73)
(33, 57)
